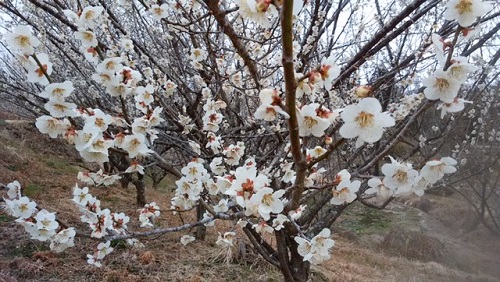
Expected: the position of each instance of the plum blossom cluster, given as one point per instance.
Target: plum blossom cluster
(401, 179)
(41, 224)
(103, 249)
(38, 65)
(271, 105)
(94, 139)
(445, 83)
(102, 222)
(213, 118)
(97, 178)
(316, 250)
(105, 223)
(148, 214)
(190, 185)
(263, 12)
(345, 191)
(250, 189)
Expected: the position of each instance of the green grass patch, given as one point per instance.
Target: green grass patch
(12, 168)
(61, 166)
(6, 218)
(32, 189)
(364, 220)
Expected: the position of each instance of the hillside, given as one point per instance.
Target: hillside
(402, 243)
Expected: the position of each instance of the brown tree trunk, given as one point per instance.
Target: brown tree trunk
(300, 268)
(201, 230)
(292, 265)
(140, 188)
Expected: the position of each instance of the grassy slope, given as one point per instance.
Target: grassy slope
(368, 248)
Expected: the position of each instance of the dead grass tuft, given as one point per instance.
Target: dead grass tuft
(26, 268)
(413, 245)
(147, 257)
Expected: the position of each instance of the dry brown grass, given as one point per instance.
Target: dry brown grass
(413, 245)
(29, 157)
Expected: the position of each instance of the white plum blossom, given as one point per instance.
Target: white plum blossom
(145, 94)
(59, 109)
(81, 196)
(466, 11)
(63, 240)
(169, 88)
(257, 10)
(316, 152)
(377, 186)
(321, 244)
(159, 12)
(135, 167)
(110, 66)
(214, 142)
(457, 105)
(92, 260)
(459, 68)
(270, 105)
(279, 221)
(58, 91)
(22, 39)
(194, 171)
(233, 153)
(262, 227)
(434, 170)
(22, 207)
(186, 239)
(14, 191)
(399, 177)
(295, 214)
(345, 191)
(365, 120)
(46, 220)
(303, 87)
(198, 54)
(135, 145)
(222, 206)
(97, 151)
(313, 120)
(120, 221)
(103, 249)
(97, 119)
(127, 44)
(329, 71)
(211, 121)
(268, 201)
(317, 250)
(89, 15)
(86, 37)
(148, 214)
(441, 86)
(440, 46)
(38, 73)
(246, 184)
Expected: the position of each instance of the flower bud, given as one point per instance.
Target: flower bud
(363, 91)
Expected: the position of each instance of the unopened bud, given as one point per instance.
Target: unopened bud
(363, 91)
(328, 140)
(263, 5)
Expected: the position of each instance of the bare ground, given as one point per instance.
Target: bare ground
(401, 243)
